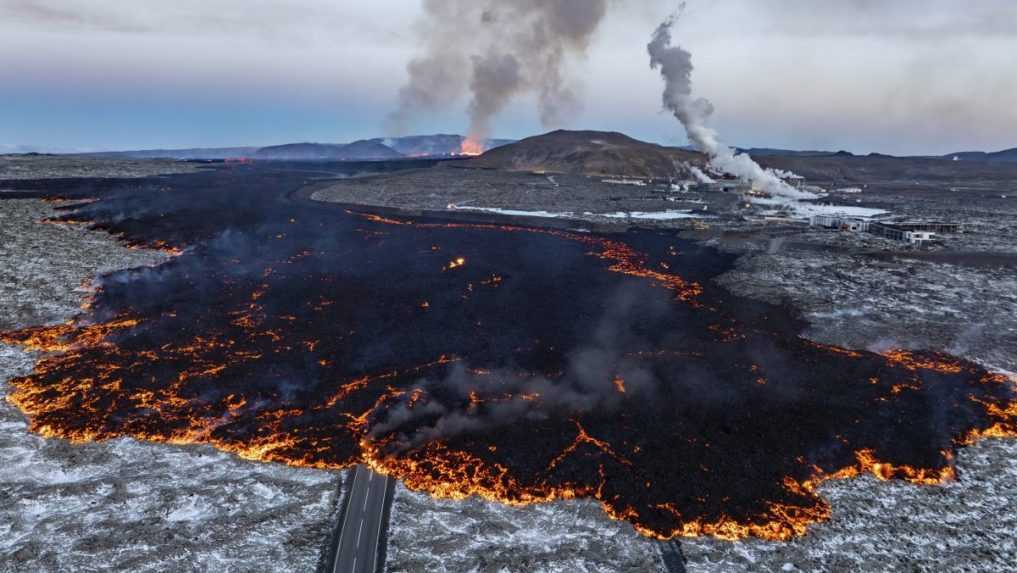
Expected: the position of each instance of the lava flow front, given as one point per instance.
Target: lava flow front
(520, 365)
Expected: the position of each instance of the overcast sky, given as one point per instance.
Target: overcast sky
(895, 76)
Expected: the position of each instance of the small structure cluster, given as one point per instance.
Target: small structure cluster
(913, 232)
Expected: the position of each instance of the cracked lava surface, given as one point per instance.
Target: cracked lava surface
(522, 365)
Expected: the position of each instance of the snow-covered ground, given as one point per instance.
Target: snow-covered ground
(863, 302)
(126, 505)
(866, 302)
(474, 535)
(649, 215)
(806, 209)
(514, 212)
(969, 525)
(669, 215)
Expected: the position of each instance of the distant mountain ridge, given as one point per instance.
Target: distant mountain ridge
(1005, 155)
(437, 145)
(197, 153)
(364, 150)
(771, 152)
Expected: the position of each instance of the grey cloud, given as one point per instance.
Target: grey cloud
(67, 15)
(900, 76)
(880, 18)
(293, 20)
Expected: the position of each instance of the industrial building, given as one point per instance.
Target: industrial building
(913, 232)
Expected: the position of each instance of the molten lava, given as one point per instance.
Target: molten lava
(549, 365)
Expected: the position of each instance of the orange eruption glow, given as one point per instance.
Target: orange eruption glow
(455, 264)
(619, 384)
(471, 147)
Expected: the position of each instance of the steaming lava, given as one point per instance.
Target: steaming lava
(521, 365)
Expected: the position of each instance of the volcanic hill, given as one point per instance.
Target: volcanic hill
(1005, 155)
(357, 151)
(592, 153)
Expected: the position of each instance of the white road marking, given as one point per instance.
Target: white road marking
(346, 519)
(377, 531)
(375, 534)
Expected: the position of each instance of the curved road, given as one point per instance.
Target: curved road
(363, 521)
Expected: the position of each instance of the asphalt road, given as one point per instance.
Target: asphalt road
(363, 519)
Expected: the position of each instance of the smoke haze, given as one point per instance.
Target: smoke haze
(464, 401)
(497, 50)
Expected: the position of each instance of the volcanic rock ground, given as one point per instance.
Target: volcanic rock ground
(168, 508)
(60, 166)
(125, 505)
(583, 198)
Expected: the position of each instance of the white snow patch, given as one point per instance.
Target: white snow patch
(805, 210)
(191, 510)
(648, 215)
(838, 313)
(514, 212)
(642, 215)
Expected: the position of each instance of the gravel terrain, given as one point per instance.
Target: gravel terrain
(575, 197)
(13, 167)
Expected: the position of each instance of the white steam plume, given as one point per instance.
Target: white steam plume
(699, 175)
(675, 66)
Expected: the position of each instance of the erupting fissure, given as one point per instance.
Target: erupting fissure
(471, 147)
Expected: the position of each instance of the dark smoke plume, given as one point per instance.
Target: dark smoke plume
(497, 49)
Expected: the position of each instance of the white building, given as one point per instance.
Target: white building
(919, 237)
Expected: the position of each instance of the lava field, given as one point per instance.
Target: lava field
(519, 364)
